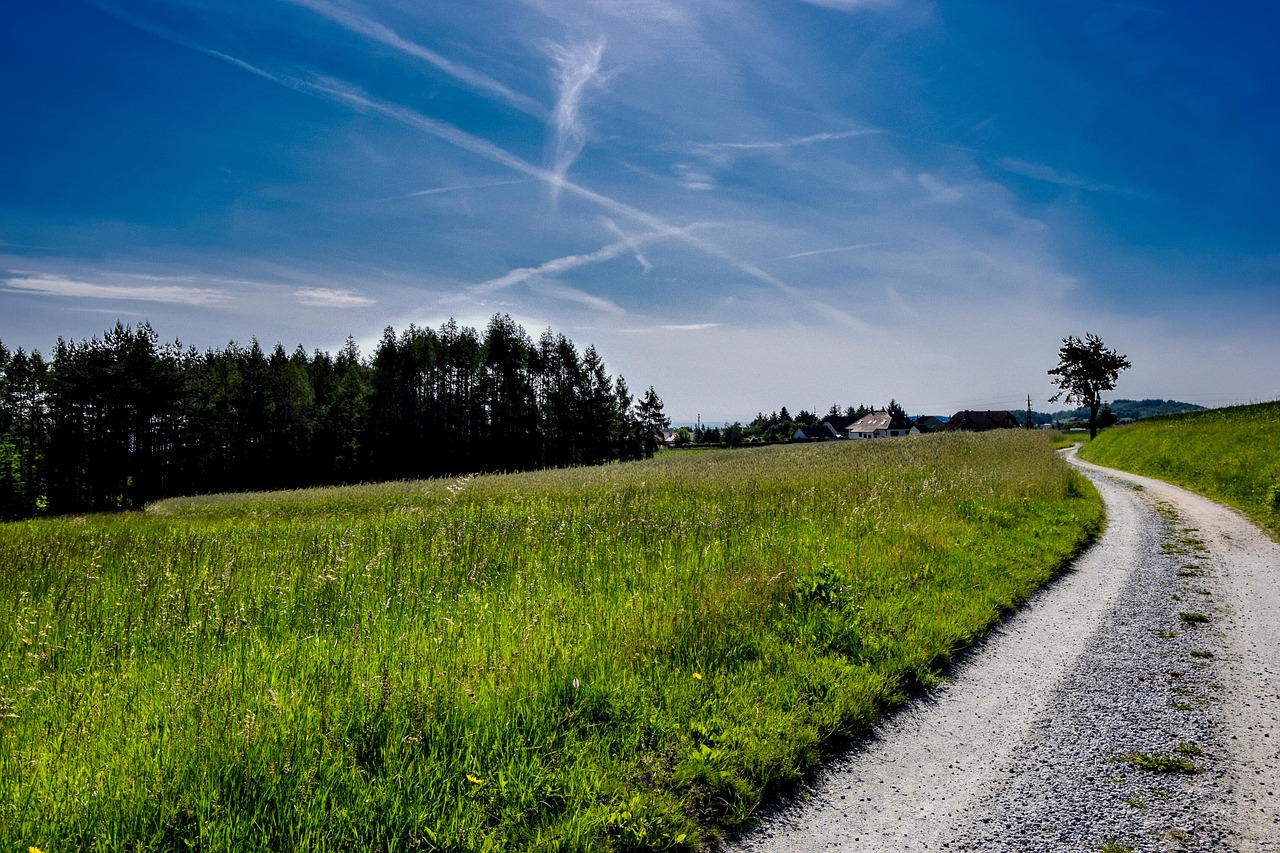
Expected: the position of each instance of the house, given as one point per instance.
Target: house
(930, 423)
(882, 425)
(970, 421)
(819, 432)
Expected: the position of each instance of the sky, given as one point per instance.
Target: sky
(747, 204)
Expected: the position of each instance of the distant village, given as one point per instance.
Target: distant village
(854, 425)
(861, 423)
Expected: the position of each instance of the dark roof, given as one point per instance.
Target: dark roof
(973, 421)
(816, 431)
(929, 423)
(841, 423)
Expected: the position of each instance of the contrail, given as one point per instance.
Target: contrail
(785, 143)
(459, 187)
(385, 35)
(829, 251)
(483, 148)
(635, 247)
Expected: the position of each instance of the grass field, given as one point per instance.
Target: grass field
(618, 658)
(1231, 455)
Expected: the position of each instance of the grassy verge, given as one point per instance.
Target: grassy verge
(1231, 455)
(618, 658)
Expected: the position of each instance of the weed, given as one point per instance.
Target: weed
(1135, 802)
(1201, 654)
(1187, 749)
(1114, 847)
(1166, 635)
(1159, 763)
(1192, 618)
(1191, 571)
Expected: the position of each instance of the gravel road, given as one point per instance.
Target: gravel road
(1025, 747)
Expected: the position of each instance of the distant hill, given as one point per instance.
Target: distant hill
(1132, 410)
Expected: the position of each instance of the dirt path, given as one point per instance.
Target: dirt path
(1023, 748)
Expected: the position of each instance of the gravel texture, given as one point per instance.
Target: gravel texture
(1035, 741)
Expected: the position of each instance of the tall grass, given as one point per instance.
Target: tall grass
(1230, 454)
(619, 658)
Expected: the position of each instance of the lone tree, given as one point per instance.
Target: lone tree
(1086, 369)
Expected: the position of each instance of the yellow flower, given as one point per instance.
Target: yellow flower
(34, 850)
(697, 676)
(474, 780)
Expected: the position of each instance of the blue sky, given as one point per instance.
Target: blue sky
(745, 204)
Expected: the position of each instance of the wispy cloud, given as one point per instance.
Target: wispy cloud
(693, 178)
(576, 68)
(938, 191)
(383, 34)
(1048, 174)
(810, 254)
(461, 187)
(560, 290)
(69, 288)
(689, 327)
(713, 147)
(568, 263)
(325, 297)
(853, 5)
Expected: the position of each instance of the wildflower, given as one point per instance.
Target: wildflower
(474, 780)
(697, 676)
(575, 684)
(34, 850)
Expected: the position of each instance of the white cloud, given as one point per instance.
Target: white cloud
(479, 185)
(565, 293)
(576, 68)
(813, 252)
(783, 143)
(325, 297)
(853, 5)
(693, 178)
(60, 286)
(938, 191)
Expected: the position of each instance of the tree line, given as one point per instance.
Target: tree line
(115, 422)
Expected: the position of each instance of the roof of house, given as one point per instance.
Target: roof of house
(815, 431)
(974, 421)
(841, 423)
(877, 421)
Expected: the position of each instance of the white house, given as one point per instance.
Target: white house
(882, 425)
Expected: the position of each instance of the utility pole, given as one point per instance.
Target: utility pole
(1029, 425)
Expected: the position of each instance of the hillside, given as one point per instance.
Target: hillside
(1230, 454)
(1129, 410)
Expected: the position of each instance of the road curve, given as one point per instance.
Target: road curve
(1024, 748)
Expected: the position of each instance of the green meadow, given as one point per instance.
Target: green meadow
(1231, 455)
(626, 657)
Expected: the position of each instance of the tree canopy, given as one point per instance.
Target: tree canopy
(1086, 368)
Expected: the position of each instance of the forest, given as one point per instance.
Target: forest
(116, 422)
